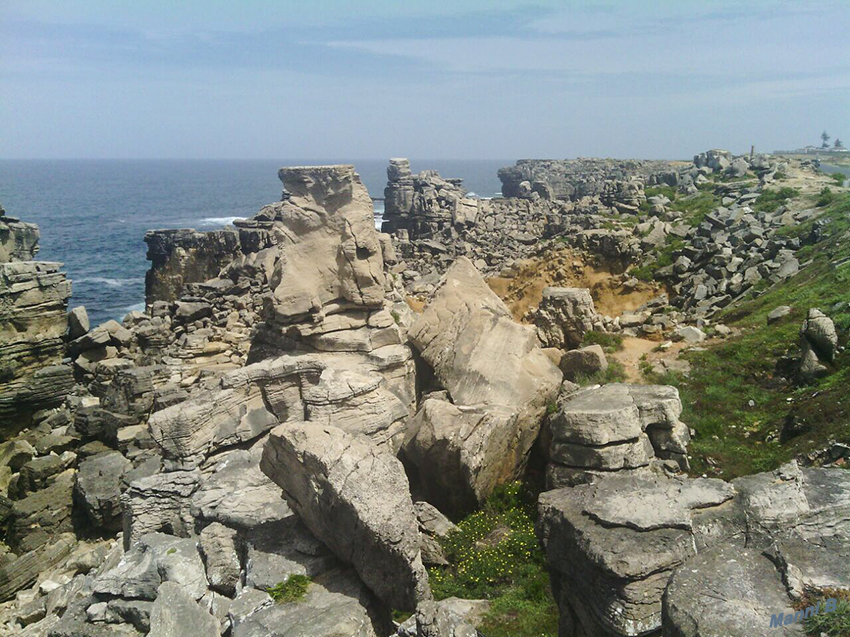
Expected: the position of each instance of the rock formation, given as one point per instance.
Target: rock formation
(355, 498)
(571, 178)
(613, 428)
(700, 556)
(33, 321)
(499, 383)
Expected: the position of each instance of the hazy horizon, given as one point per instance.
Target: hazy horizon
(257, 80)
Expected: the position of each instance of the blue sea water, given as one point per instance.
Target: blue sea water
(93, 214)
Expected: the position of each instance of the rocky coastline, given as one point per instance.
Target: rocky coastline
(308, 399)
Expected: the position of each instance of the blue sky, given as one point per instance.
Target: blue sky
(457, 80)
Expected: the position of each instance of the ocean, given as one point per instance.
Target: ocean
(93, 214)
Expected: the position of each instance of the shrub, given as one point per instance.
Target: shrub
(291, 590)
(610, 342)
(770, 200)
(825, 198)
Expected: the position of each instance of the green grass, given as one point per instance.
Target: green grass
(663, 258)
(832, 624)
(610, 342)
(839, 178)
(291, 590)
(614, 373)
(494, 554)
(695, 207)
(769, 200)
(733, 438)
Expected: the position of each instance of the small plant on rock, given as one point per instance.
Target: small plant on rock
(291, 590)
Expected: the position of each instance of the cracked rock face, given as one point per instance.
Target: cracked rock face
(499, 382)
(615, 427)
(355, 498)
(733, 553)
(612, 545)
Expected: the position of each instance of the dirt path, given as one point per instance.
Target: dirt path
(635, 350)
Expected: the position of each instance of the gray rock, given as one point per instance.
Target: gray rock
(356, 500)
(586, 361)
(159, 503)
(564, 316)
(495, 371)
(219, 552)
(155, 558)
(819, 330)
(238, 494)
(746, 590)
(98, 488)
(175, 614)
(689, 334)
(777, 313)
(78, 322)
(336, 604)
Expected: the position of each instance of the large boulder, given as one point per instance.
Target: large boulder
(478, 352)
(616, 426)
(462, 453)
(356, 500)
(564, 316)
(819, 344)
(33, 321)
(98, 488)
(175, 612)
(611, 546)
(494, 372)
(630, 555)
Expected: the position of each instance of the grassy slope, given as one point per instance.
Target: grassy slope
(737, 401)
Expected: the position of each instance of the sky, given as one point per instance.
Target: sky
(460, 79)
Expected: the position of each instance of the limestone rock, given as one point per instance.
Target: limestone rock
(356, 500)
(218, 549)
(159, 503)
(335, 604)
(175, 613)
(183, 256)
(585, 361)
(493, 368)
(330, 252)
(612, 427)
(564, 316)
(78, 322)
(462, 453)
(98, 488)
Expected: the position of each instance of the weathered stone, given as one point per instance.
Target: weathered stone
(356, 500)
(336, 604)
(330, 250)
(175, 612)
(78, 322)
(585, 361)
(564, 316)
(98, 488)
(179, 257)
(159, 503)
(238, 494)
(218, 549)
(155, 558)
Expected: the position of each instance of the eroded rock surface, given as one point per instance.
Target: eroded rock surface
(356, 499)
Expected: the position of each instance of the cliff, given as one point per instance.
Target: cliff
(33, 321)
